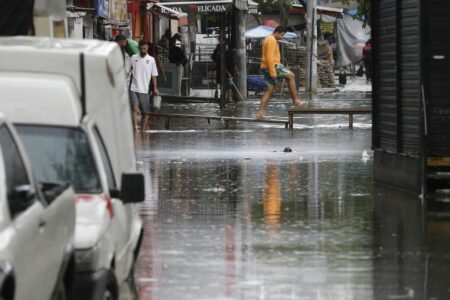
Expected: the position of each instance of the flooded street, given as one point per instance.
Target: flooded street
(230, 215)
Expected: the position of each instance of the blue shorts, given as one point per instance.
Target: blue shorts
(282, 72)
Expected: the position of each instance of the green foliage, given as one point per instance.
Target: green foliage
(271, 6)
(364, 10)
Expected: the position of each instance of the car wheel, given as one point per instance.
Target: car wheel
(111, 290)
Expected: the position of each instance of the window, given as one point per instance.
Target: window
(105, 158)
(16, 174)
(61, 155)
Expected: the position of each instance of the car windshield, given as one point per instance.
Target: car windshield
(61, 155)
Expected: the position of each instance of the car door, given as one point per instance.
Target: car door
(57, 222)
(30, 257)
(122, 222)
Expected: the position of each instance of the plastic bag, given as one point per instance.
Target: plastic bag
(156, 102)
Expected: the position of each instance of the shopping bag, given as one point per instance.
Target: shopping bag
(156, 102)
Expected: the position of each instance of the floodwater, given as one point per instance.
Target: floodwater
(230, 215)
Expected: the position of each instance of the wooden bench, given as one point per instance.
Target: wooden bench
(328, 111)
(222, 119)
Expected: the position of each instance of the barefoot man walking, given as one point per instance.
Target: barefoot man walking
(273, 71)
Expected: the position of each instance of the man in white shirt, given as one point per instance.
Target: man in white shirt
(143, 71)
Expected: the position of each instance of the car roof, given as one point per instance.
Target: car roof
(47, 100)
(35, 44)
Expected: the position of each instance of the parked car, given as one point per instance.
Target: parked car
(37, 223)
(74, 118)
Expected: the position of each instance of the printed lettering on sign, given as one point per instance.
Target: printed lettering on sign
(176, 8)
(211, 8)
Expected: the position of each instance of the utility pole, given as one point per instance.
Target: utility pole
(311, 47)
(192, 31)
(240, 54)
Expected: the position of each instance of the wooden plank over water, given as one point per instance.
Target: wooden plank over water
(346, 111)
(223, 119)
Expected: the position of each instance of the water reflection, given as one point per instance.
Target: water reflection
(272, 199)
(412, 250)
(254, 229)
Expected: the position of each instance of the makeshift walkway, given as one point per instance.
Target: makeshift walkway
(224, 120)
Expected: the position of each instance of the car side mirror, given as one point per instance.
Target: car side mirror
(114, 193)
(20, 198)
(133, 188)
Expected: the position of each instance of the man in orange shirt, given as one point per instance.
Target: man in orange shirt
(274, 71)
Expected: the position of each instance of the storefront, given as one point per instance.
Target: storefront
(100, 19)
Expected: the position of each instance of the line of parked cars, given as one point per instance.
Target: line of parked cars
(69, 223)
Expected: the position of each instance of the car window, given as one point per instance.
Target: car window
(105, 159)
(16, 174)
(61, 155)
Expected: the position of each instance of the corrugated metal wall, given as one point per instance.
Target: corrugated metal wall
(437, 76)
(397, 96)
(410, 101)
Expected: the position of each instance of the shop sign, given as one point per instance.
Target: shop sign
(194, 8)
(212, 8)
(253, 10)
(198, 7)
(326, 26)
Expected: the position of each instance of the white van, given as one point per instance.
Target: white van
(59, 90)
(37, 223)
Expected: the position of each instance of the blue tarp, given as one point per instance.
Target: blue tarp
(263, 31)
(102, 8)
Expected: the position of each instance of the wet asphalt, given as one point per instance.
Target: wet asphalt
(230, 215)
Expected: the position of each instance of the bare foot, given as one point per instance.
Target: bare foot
(299, 103)
(262, 116)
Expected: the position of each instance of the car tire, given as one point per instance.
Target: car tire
(111, 289)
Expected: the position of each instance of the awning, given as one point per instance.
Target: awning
(172, 13)
(264, 31)
(321, 10)
(199, 6)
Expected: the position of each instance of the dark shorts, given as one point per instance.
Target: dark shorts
(141, 100)
(282, 72)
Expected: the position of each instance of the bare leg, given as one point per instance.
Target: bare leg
(296, 101)
(144, 122)
(260, 113)
(216, 93)
(135, 117)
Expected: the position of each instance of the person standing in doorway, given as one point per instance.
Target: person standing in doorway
(165, 40)
(143, 71)
(368, 60)
(177, 57)
(274, 71)
(216, 59)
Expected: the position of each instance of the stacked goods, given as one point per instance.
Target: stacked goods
(324, 51)
(295, 57)
(325, 65)
(325, 71)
